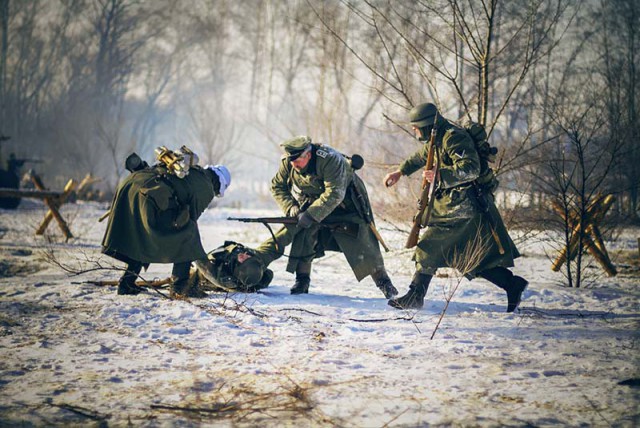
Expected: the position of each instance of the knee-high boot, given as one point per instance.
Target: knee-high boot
(180, 275)
(383, 282)
(414, 299)
(514, 285)
(303, 278)
(127, 283)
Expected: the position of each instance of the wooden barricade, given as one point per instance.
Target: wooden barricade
(592, 239)
(53, 200)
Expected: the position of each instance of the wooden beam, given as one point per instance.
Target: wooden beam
(591, 240)
(28, 193)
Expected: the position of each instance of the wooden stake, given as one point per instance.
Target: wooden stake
(592, 238)
(54, 204)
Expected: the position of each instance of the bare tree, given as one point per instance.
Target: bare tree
(422, 50)
(619, 47)
(4, 47)
(577, 173)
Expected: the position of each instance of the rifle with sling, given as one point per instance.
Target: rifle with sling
(425, 203)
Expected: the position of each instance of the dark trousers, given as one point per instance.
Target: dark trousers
(132, 272)
(179, 271)
(500, 276)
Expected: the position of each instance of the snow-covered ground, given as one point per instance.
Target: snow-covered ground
(78, 354)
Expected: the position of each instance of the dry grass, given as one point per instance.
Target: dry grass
(463, 263)
(250, 400)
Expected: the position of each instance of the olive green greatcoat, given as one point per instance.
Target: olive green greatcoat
(153, 216)
(331, 189)
(456, 224)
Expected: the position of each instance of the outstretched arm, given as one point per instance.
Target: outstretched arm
(392, 178)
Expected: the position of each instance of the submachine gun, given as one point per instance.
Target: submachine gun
(356, 163)
(348, 228)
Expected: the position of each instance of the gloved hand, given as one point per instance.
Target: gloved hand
(294, 211)
(305, 220)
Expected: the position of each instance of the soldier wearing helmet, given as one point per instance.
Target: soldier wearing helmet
(233, 267)
(458, 218)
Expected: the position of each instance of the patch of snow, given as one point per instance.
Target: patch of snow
(73, 353)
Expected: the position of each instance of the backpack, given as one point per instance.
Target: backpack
(166, 212)
(487, 153)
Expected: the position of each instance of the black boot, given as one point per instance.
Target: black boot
(514, 285)
(179, 288)
(414, 299)
(127, 284)
(128, 287)
(514, 292)
(194, 290)
(303, 280)
(383, 282)
(180, 285)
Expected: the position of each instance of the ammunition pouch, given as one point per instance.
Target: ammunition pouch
(167, 213)
(479, 197)
(487, 181)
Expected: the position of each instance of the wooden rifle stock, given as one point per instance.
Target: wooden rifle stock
(425, 203)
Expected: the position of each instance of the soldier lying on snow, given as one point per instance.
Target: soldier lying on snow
(232, 267)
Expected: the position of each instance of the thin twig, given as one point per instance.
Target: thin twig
(87, 413)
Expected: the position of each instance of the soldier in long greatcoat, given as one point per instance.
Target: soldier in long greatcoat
(318, 185)
(153, 219)
(465, 230)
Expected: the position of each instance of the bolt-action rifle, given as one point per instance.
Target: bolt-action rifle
(425, 203)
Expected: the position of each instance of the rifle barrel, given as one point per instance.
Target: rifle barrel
(270, 220)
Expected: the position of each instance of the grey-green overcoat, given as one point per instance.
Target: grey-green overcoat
(329, 184)
(457, 228)
(153, 216)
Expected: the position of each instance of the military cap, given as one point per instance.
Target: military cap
(249, 272)
(296, 146)
(423, 115)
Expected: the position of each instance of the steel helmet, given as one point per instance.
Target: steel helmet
(423, 115)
